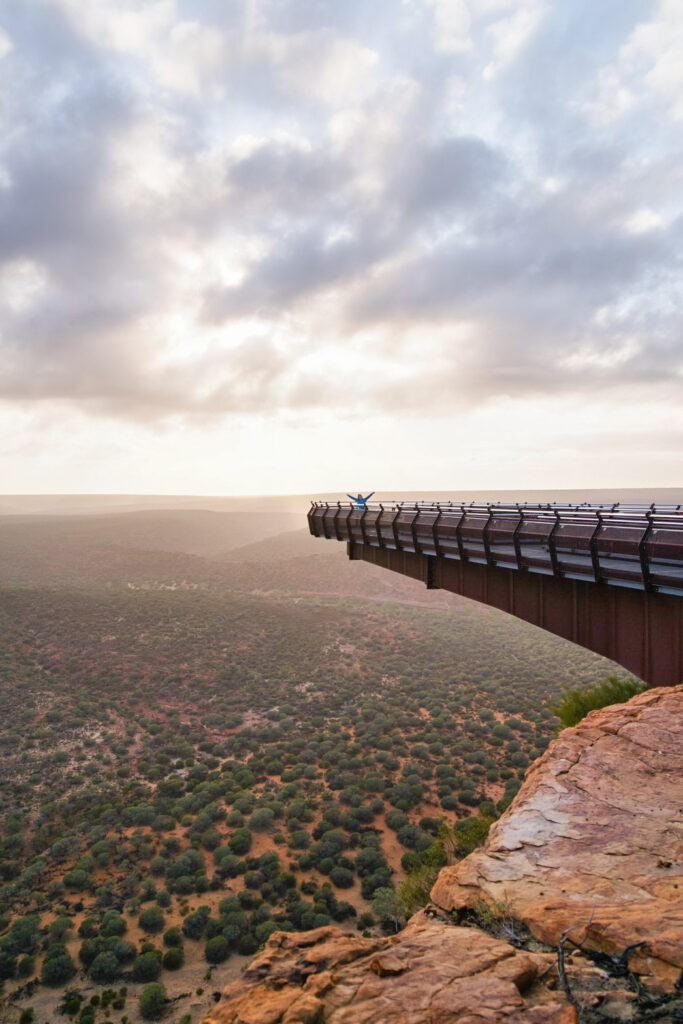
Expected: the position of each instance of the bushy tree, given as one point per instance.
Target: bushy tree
(194, 924)
(217, 950)
(173, 937)
(151, 920)
(26, 966)
(174, 958)
(113, 923)
(262, 819)
(386, 906)
(152, 1002)
(147, 966)
(105, 967)
(58, 967)
(240, 841)
(341, 877)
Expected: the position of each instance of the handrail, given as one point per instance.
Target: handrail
(627, 545)
(582, 508)
(635, 515)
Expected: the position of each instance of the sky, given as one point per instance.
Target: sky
(302, 246)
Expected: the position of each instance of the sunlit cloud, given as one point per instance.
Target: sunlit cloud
(283, 214)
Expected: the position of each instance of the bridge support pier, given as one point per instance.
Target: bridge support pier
(643, 631)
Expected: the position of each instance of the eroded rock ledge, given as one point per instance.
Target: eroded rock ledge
(431, 971)
(591, 846)
(592, 843)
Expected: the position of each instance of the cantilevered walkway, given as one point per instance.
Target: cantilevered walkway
(608, 577)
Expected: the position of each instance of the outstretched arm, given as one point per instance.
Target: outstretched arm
(369, 496)
(352, 497)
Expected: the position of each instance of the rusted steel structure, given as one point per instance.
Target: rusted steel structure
(607, 577)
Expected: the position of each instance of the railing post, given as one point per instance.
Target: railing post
(413, 531)
(552, 546)
(347, 524)
(435, 532)
(642, 552)
(458, 536)
(485, 538)
(394, 527)
(515, 539)
(362, 525)
(337, 531)
(377, 526)
(593, 544)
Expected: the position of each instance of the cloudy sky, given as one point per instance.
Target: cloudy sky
(312, 245)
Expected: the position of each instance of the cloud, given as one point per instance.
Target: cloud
(214, 209)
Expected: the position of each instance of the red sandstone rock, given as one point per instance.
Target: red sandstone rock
(592, 843)
(591, 846)
(431, 972)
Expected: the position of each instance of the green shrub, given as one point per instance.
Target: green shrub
(194, 924)
(113, 923)
(147, 967)
(576, 704)
(105, 967)
(173, 937)
(58, 967)
(174, 958)
(8, 965)
(262, 819)
(88, 928)
(414, 890)
(152, 1002)
(248, 944)
(341, 877)
(217, 950)
(26, 967)
(469, 833)
(240, 841)
(151, 920)
(77, 880)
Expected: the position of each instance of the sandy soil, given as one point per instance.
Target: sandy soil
(182, 988)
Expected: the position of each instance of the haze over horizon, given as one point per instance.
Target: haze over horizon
(284, 248)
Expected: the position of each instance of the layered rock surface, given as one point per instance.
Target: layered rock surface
(592, 845)
(591, 848)
(430, 972)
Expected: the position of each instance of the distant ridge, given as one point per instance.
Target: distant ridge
(94, 504)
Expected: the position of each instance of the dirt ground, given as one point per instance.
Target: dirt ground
(182, 988)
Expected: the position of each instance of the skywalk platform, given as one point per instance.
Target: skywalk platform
(608, 577)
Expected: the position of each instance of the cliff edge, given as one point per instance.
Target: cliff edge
(592, 844)
(430, 972)
(589, 849)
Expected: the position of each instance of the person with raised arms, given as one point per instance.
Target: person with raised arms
(359, 501)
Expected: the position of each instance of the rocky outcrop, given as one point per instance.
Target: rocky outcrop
(430, 972)
(590, 848)
(592, 843)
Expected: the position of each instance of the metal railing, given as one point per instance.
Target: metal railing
(626, 545)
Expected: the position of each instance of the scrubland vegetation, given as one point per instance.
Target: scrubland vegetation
(577, 702)
(191, 760)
